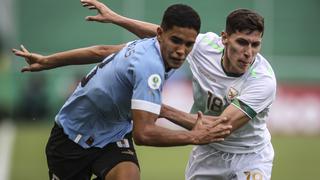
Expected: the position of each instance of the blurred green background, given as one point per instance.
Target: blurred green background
(297, 158)
(290, 42)
(30, 100)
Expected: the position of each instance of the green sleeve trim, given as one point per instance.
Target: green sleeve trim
(253, 72)
(245, 108)
(212, 44)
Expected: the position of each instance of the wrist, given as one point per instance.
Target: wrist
(49, 62)
(194, 140)
(118, 19)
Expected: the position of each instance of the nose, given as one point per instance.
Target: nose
(181, 50)
(248, 51)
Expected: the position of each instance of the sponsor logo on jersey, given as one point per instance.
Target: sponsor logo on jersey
(232, 93)
(154, 81)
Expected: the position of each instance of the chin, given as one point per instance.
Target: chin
(176, 66)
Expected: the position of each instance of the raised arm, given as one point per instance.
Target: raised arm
(88, 55)
(106, 15)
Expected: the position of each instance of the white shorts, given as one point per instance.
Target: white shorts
(207, 163)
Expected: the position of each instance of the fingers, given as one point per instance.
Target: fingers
(24, 49)
(90, 4)
(21, 53)
(217, 140)
(90, 7)
(223, 133)
(221, 128)
(219, 121)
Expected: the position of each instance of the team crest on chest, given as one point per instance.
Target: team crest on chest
(232, 94)
(154, 81)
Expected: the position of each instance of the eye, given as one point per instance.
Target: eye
(189, 44)
(242, 42)
(256, 44)
(176, 40)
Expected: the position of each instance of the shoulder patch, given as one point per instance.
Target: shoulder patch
(154, 81)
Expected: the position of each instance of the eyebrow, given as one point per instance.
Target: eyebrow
(251, 42)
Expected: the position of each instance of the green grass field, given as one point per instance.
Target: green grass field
(296, 158)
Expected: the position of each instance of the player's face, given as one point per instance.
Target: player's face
(175, 45)
(241, 49)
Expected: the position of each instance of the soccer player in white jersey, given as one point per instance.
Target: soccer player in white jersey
(93, 130)
(230, 78)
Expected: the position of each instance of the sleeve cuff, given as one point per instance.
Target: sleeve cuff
(145, 106)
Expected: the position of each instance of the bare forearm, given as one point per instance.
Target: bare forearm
(79, 56)
(235, 116)
(139, 28)
(178, 117)
(162, 137)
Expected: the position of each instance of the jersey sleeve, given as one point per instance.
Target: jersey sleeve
(257, 95)
(207, 42)
(147, 85)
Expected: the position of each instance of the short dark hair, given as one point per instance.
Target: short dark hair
(181, 15)
(244, 20)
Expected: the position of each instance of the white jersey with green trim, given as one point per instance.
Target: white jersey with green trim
(214, 90)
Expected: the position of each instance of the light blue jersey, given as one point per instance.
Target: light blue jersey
(99, 110)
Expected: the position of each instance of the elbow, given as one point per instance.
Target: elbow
(102, 51)
(106, 50)
(140, 138)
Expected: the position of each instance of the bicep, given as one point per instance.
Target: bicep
(106, 50)
(143, 122)
(142, 118)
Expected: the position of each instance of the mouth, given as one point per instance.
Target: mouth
(177, 60)
(244, 64)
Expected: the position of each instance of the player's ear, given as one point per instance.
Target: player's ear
(224, 37)
(159, 34)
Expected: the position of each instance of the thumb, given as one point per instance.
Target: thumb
(199, 119)
(25, 69)
(92, 18)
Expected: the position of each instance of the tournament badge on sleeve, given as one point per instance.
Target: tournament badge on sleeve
(154, 81)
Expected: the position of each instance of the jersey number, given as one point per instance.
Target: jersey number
(214, 103)
(86, 79)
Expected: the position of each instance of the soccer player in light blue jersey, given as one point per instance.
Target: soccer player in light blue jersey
(120, 99)
(230, 78)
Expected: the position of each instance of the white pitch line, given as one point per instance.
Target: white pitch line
(7, 135)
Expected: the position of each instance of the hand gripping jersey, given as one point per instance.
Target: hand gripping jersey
(99, 110)
(214, 90)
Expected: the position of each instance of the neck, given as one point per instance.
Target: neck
(225, 63)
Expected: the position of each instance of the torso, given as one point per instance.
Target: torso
(214, 90)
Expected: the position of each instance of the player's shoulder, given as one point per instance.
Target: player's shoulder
(140, 47)
(262, 70)
(142, 50)
(209, 41)
(144, 54)
(262, 65)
